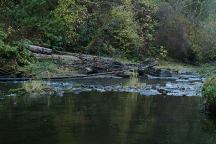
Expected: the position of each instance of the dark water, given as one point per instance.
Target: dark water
(104, 118)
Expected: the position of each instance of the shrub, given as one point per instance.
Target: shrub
(204, 42)
(16, 52)
(209, 94)
(33, 86)
(23, 55)
(6, 51)
(173, 33)
(42, 69)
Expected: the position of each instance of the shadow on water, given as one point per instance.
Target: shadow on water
(104, 118)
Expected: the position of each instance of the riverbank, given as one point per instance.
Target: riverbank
(54, 64)
(53, 68)
(50, 64)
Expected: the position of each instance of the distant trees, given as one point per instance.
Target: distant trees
(183, 29)
(107, 27)
(129, 28)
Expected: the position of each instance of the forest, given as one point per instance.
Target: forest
(134, 29)
(107, 71)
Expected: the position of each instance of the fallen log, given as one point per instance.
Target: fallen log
(56, 57)
(40, 50)
(89, 64)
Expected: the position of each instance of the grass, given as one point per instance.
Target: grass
(134, 80)
(45, 69)
(124, 60)
(175, 65)
(207, 70)
(34, 86)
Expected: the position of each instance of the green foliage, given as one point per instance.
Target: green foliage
(204, 42)
(42, 69)
(34, 87)
(13, 54)
(23, 57)
(124, 30)
(6, 51)
(91, 26)
(71, 14)
(209, 92)
(134, 80)
(134, 29)
(186, 29)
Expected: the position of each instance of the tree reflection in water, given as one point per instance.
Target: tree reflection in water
(104, 118)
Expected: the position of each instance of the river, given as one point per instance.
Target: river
(95, 117)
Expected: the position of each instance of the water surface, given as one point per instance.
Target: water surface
(104, 118)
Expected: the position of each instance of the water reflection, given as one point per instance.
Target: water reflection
(104, 118)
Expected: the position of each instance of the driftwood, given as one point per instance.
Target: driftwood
(68, 58)
(96, 64)
(41, 50)
(89, 64)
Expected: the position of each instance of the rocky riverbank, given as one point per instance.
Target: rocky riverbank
(178, 84)
(72, 65)
(94, 73)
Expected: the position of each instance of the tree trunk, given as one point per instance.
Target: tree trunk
(40, 50)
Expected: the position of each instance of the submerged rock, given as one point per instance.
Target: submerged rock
(160, 72)
(165, 73)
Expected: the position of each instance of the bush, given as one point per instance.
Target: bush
(173, 33)
(6, 51)
(17, 51)
(204, 42)
(209, 94)
(23, 55)
(123, 28)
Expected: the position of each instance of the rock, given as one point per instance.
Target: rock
(8, 66)
(116, 64)
(150, 92)
(165, 73)
(124, 74)
(149, 61)
(90, 70)
(162, 91)
(11, 95)
(184, 71)
(160, 72)
(143, 73)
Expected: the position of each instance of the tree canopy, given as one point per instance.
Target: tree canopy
(135, 29)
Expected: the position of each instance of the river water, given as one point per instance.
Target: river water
(92, 117)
